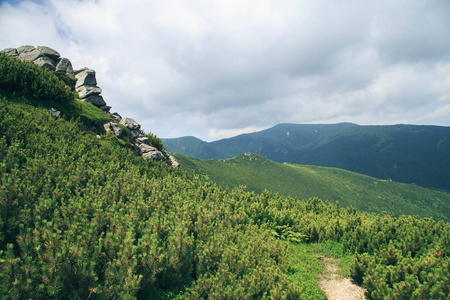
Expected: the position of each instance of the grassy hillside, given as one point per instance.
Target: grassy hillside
(85, 218)
(364, 193)
(403, 153)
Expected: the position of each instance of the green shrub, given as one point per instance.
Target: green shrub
(33, 81)
(156, 142)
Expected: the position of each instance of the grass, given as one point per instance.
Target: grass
(306, 265)
(88, 114)
(304, 181)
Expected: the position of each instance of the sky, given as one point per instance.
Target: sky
(218, 68)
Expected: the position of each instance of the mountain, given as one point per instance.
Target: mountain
(403, 153)
(363, 192)
(85, 215)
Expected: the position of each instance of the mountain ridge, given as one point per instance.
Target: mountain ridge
(405, 153)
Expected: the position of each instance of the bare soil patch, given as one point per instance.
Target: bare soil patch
(336, 287)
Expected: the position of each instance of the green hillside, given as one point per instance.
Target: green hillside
(83, 217)
(364, 193)
(403, 153)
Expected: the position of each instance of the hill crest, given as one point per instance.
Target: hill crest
(417, 154)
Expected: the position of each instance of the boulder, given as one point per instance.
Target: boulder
(30, 53)
(65, 66)
(25, 48)
(115, 115)
(45, 61)
(85, 91)
(85, 77)
(54, 113)
(143, 140)
(153, 154)
(105, 108)
(75, 72)
(173, 162)
(10, 52)
(130, 123)
(95, 100)
(136, 133)
(48, 52)
(114, 127)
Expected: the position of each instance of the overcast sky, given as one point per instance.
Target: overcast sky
(218, 68)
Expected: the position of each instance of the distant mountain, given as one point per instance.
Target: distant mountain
(404, 153)
(363, 192)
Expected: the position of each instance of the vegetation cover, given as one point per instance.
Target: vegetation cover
(85, 218)
(403, 153)
(363, 192)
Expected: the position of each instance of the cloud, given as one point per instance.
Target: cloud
(215, 68)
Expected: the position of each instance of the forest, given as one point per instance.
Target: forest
(83, 217)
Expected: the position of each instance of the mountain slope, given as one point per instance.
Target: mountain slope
(304, 181)
(404, 153)
(83, 217)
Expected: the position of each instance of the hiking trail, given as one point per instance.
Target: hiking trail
(336, 287)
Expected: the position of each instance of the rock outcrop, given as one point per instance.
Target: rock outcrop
(88, 91)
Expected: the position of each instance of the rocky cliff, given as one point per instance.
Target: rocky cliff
(88, 91)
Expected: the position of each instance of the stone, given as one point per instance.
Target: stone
(25, 48)
(85, 91)
(115, 115)
(143, 140)
(54, 113)
(65, 66)
(146, 148)
(10, 52)
(45, 61)
(114, 127)
(136, 133)
(105, 108)
(85, 77)
(47, 51)
(153, 154)
(173, 162)
(130, 123)
(95, 100)
(75, 72)
(29, 55)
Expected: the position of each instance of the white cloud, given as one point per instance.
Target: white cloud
(215, 68)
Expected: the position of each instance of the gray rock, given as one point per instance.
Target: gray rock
(114, 127)
(29, 55)
(130, 123)
(33, 54)
(136, 133)
(85, 77)
(173, 162)
(65, 66)
(115, 115)
(25, 48)
(10, 52)
(55, 113)
(105, 108)
(153, 154)
(143, 140)
(85, 91)
(49, 52)
(95, 100)
(45, 61)
(75, 72)
(146, 148)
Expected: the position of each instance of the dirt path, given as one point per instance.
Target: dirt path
(336, 287)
